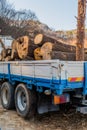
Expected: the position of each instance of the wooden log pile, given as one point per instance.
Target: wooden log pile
(43, 47)
(51, 48)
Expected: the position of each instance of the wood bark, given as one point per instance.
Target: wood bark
(80, 30)
(63, 56)
(66, 56)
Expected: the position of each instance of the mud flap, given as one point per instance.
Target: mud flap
(45, 104)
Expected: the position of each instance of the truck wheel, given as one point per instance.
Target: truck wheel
(25, 101)
(7, 95)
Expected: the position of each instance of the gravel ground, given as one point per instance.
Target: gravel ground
(9, 120)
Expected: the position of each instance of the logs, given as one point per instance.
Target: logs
(42, 47)
(44, 52)
(40, 39)
(23, 48)
(58, 51)
(59, 55)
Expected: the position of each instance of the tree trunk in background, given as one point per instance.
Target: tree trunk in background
(81, 30)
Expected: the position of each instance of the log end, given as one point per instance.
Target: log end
(38, 39)
(37, 54)
(46, 50)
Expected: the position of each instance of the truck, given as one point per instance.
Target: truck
(43, 86)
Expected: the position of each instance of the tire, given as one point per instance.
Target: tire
(7, 96)
(25, 101)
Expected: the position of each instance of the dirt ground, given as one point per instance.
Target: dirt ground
(9, 120)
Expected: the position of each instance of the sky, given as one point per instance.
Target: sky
(57, 14)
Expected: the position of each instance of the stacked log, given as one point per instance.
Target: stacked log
(58, 51)
(40, 39)
(21, 49)
(42, 47)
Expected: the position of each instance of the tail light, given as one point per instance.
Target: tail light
(61, 99)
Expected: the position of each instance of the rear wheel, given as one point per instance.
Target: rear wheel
(7, 95)
(25, 101)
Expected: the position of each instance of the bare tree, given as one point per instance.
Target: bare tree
(5, 8)
(13, 17)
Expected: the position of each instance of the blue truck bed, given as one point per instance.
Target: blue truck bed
(58, 76)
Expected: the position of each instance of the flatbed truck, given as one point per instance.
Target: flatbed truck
(42, 86)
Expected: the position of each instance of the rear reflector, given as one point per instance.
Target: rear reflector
(61, 99)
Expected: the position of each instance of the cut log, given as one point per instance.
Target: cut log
(40, 39)
(20, 47)
(5, 53)
(46, 51)
(23, 48)
(37, 54)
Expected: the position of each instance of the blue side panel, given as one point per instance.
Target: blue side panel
(74, 85)
(41, 83)
(85, 82)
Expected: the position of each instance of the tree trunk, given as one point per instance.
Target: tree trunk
(81, 30)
